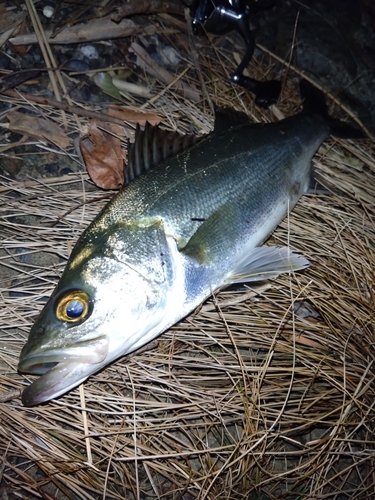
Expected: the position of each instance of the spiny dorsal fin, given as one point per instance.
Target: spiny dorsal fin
(151, 146)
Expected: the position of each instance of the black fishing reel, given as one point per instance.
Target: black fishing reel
(221, 16)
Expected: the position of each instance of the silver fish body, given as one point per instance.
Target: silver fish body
(191, 225)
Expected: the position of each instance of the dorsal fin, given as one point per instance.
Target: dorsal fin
(151, 146)
(227, 118)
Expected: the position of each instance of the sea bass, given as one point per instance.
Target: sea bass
(165, 243)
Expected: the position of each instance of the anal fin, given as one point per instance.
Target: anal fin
(265, 262)
(315, 185)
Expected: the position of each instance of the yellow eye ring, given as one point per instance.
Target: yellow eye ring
(73, 306)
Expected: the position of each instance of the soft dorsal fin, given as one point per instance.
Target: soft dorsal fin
(227, 118)
(151, 146)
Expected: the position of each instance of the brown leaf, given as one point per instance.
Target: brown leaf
(147, 6)
(121, 131)
(20, 49)
(90, 31)
(129, 115)
(104, 157)
(9, 20)
(40, 128)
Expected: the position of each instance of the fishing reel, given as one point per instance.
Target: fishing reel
(221, 16)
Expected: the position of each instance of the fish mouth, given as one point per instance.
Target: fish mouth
(60, 370)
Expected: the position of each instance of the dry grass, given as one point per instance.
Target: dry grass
(256, 396)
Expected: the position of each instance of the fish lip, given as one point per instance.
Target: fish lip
(60, 369)
(55, 382)
(38, 364)
(37, 360)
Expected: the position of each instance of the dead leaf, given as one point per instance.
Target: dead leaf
(11, 80)
(146, 6)
(103, 156)
(104, 82)
(129, 115)
(91, 31)
(9, 20)
(125, 87)
(123, 132)
(40, 128)
(20, 49)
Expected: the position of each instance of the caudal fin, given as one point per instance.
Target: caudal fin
(314, 102)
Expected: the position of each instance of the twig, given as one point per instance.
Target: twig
(95, 30)
(194, 56)
(46, 101)
(76, 207)
(85, 423)
(53, 71)
(44, 47)
(10, 395)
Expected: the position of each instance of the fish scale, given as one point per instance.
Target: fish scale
(191, 187)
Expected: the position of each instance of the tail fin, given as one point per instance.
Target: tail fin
(314, 102)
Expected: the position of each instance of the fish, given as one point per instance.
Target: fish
(193, 224)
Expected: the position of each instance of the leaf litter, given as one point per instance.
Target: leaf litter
(103, 156)
(265, 393)
(40, 128)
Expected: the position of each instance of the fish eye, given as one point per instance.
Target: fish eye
(73, 306)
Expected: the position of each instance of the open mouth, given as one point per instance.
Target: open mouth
(60, 370)
(56, 381)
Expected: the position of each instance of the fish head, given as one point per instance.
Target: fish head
(102, 308)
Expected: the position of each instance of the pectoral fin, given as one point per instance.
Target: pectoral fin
(214, 237)
(264, 263)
